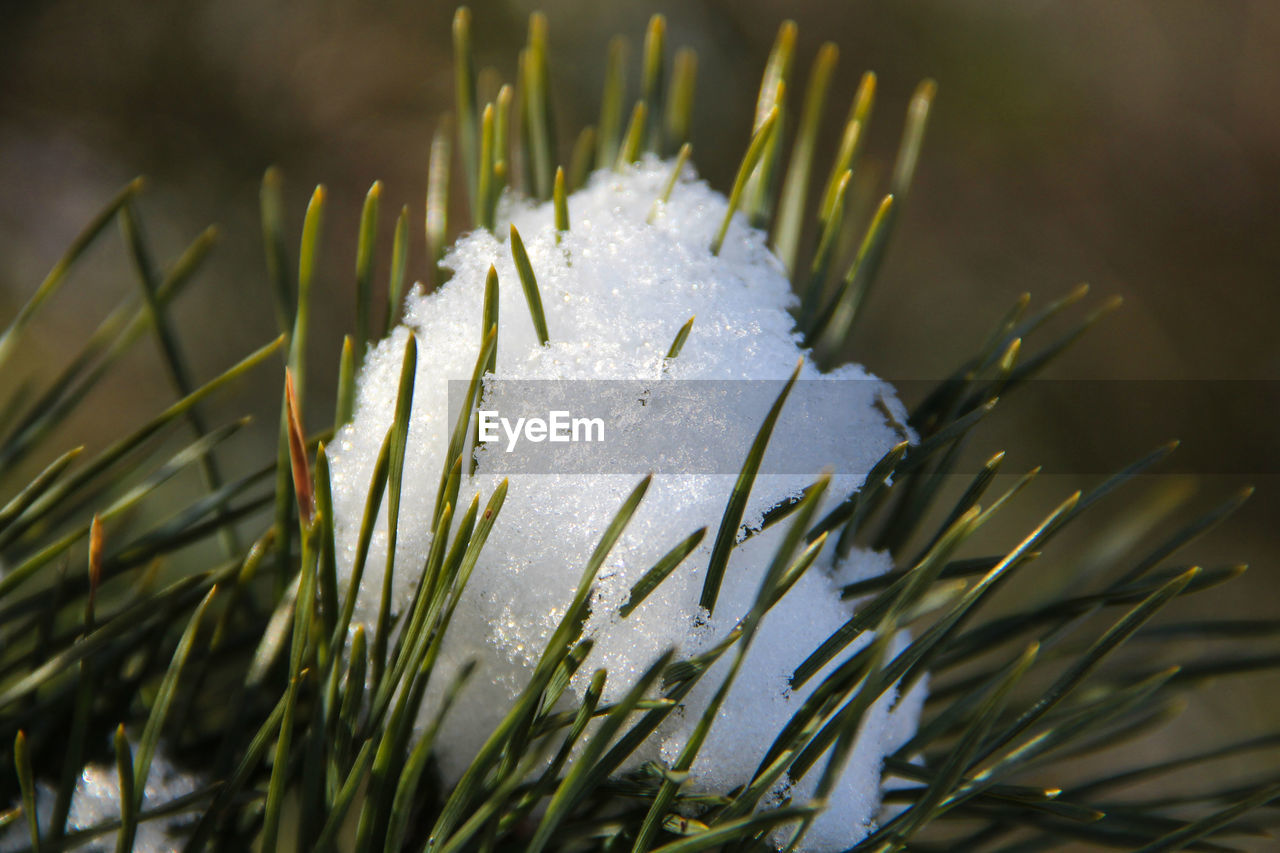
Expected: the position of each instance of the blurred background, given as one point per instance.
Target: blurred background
(1135, 146)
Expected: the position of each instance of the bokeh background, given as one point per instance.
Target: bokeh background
(1133, 145)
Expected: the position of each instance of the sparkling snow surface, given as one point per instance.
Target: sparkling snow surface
(616, 290)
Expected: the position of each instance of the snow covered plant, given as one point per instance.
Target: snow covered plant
(616, 289)
(752, 616)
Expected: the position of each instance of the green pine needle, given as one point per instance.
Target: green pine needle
(530, 284)
(684, 79)
(399, 269)
(681, 336)
(365, 246)
(755, 151)
(437, 207)
(633, 140)
(580, 161)
(737, 504)
(677, 169)
(609, 138)
(560, 198)
(796, 185)
(464, 75)
(653, 81)
(128, 793)
(26, 780)
(395, 482)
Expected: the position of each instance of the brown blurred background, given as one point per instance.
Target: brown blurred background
(1132, 145)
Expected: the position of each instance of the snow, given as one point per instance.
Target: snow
(616, 289)
(96, 800)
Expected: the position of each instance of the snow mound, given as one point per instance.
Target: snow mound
(616, 289)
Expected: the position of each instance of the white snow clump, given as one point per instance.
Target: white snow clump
(616, 289)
